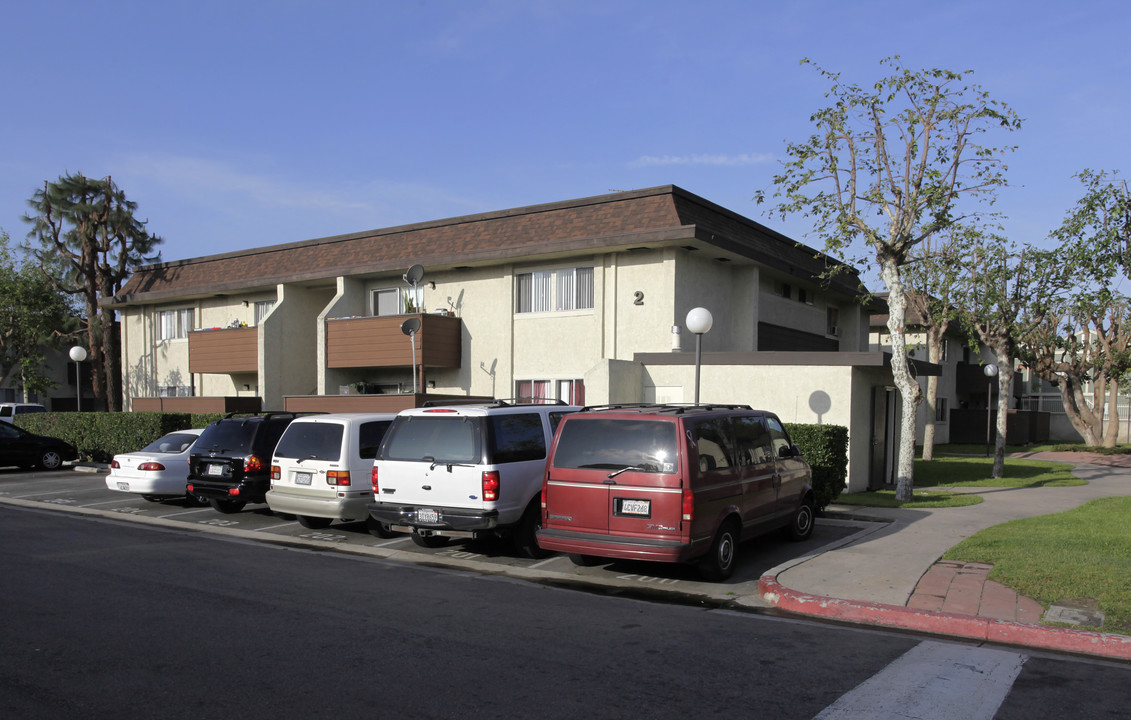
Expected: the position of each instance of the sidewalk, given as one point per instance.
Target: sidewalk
(889, 574)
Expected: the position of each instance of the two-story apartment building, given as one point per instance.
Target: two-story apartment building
(582, 300)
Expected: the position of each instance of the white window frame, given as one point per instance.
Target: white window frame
(560, 290)
(175, 324)
(541, 388)
(404, 297)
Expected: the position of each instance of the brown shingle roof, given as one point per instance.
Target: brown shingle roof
(663, 215)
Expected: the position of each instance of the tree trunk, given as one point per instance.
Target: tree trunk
(934, 355)
(909, 390)
(1111, 430)
(1004, 391)
(1072, 397)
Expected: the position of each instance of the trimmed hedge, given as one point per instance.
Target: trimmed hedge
(825, 448)
(99, 436)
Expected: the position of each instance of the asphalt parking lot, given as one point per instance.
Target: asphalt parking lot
(86, 493)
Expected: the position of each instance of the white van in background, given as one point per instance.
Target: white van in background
(8, 411)
(320, 470)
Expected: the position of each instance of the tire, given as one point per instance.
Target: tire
(718, 564)
(526, 534)
(585, 560)
(228, 507)
(430, 541)
(314, 523)
(50, 460)
(801, 525)
(195, 500)
(377, 528)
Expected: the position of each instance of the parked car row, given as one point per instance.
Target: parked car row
(665, 483)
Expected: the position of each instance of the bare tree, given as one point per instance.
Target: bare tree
(887, 168)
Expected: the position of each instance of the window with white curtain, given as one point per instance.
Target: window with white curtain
(554, 290)
(174, 324)
(262, 307)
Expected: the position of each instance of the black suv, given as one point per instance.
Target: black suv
(230, 465)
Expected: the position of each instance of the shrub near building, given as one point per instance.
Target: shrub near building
(101, 435)
(825, 448)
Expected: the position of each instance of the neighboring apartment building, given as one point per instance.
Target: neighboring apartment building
(580, 300)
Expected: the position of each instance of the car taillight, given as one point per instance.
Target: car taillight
(491, 485)
(276, 473)
(688, 505)
(234, 491)
(252, 463)
(373, 479)
(188, 488)
(115, 464)
(338, 477)
(545, 487)
(150, 466)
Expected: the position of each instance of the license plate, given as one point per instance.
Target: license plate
(302, 478)
(215, 470)
(125, 487)
(635, 507)
(428, 516)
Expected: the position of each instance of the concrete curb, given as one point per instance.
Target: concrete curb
(970, 627)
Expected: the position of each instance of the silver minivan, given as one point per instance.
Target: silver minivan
(320, 470)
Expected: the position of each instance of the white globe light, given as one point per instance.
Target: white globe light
(990, 370)
(699, 320)
(78, 353)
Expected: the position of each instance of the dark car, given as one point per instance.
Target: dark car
(230, 465)
(28, 450)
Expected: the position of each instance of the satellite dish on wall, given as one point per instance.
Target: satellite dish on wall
(410, 326)
(414, 275)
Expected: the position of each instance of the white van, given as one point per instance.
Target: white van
(9, 411)
(469, 470)
(320, 470)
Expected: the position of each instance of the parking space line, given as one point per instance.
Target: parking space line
(547, 560)
(187, 512)
(40, 494)
(275, 527)
(110, 502)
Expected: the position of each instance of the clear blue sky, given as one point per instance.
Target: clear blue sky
(237, 124)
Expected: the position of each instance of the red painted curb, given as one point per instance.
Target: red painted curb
(965, 626)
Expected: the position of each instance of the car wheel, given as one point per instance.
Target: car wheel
(195, 500)
(314, 523)
(801, 526)
(585, 560)
(526, 534)
(718, 565)
(228, 507)
(50, 460)
(430, 541)
(377, 528)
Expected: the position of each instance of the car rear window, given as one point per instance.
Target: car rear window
(311, 441)
(227, 437)
(369, 437)
(613, 444)
(440, 439)
(171, 443)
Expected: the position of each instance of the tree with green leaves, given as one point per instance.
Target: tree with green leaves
(1005, 297)
(89, 242)
(1086, 340)
(34, 317)
(889, 166)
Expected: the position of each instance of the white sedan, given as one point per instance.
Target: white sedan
(158, 471)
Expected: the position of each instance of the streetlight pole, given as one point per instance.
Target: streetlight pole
(990, 372)
(699, 321)
(78, 354)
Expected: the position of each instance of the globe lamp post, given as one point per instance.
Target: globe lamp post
(699, 321)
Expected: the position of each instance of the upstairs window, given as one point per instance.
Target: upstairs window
(261, 309)
(396, 301)
(174, 324)
(554, 290)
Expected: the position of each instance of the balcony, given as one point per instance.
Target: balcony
(378, 342)
(233, 350)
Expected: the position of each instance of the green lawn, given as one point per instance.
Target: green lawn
(1083, 553)
(965, 472)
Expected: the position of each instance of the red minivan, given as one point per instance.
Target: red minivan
(672, 483)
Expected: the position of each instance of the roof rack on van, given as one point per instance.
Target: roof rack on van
(270, 413)
(673, 408)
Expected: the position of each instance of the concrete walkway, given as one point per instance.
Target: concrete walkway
(881, 567)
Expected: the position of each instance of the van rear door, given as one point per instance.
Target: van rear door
(614, 475)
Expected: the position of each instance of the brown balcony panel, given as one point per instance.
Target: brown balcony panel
(233, 350)
(379, 342)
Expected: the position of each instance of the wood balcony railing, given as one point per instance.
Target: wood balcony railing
(232, 350)
(379, 342)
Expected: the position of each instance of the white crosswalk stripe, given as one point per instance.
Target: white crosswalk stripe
(935, 681)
